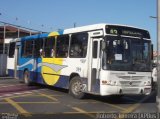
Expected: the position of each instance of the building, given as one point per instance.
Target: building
(9, 32)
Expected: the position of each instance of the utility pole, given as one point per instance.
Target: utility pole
(4, 36)
(74, 25)
(158, 52)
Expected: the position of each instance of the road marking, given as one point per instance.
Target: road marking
(17, 96)
(37, 102)
(111, 105)
(18, 107)
(118, 107)
(31, 102)
(38, 90)
(82, 111)
(7, 95)
(11, 85)
(133, 107)
(19, 93)
(37, 95)
(12, 95)
(3, 102)
(81, 102)
(48, 96)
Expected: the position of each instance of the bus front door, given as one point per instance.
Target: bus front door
(94, 65)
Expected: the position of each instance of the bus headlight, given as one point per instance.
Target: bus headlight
(108, 82)
(104, 82)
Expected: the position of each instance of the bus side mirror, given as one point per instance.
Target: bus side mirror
(104, 46)
(154, 65)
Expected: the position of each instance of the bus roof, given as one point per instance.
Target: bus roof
(74, 30)
(43, 35)
(96, 26)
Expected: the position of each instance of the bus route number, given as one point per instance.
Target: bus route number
(113, 31)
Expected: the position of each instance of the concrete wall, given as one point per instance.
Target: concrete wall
(3, 64)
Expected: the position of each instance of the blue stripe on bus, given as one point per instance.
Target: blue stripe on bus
(61, 32)
(30, 66)
(43, 35)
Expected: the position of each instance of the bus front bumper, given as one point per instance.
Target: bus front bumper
(119, 90)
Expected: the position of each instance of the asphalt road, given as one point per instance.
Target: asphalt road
(20, 101)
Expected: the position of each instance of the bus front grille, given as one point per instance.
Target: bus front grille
(130, 83)
(131, 77)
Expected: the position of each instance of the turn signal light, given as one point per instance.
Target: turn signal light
(104, 82)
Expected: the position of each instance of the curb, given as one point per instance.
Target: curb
(1, 78)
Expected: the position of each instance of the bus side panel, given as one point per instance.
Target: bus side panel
(36, 77)
(25, 64)
(57, 71)
(76, 66)
(36, 72)
(33, 66)
(51, 71)
(20, 74)
(42, 72)
(10, 66)
(63, 82)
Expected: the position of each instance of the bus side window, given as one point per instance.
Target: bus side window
(27, 48)
(37, 46)
(62, 46)
(100, 52)
(49, 50)
(95, 48)
(78, 46)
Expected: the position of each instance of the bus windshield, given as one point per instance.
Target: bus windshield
(126, 54)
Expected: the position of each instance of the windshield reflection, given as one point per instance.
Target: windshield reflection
(126, 54)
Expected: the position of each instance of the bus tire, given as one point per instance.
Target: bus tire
(26, 78)
(75, 88)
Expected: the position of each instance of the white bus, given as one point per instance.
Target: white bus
(101, 59)
(12, 58)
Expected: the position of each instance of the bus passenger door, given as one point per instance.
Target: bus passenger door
(94, 65)
(16, 64)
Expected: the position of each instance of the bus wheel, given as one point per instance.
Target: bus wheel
(75, 88)
(26, 78)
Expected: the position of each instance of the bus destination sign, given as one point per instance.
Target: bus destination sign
(127, 31)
